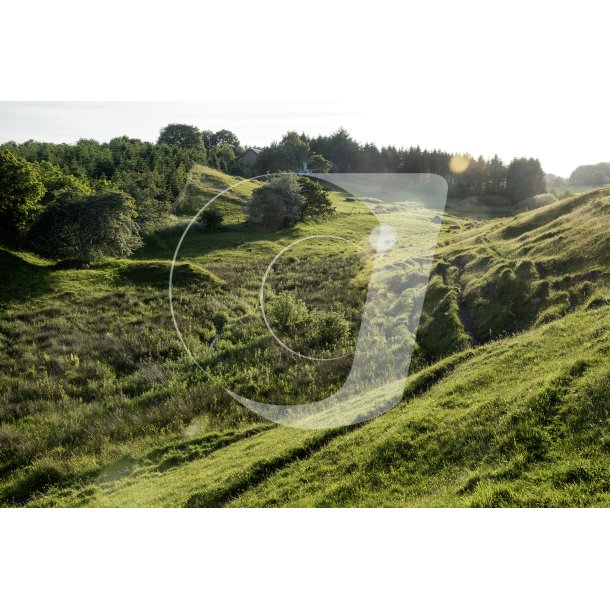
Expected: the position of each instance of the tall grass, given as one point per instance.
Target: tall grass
(99, 402)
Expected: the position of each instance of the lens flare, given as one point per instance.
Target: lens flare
(458, 164)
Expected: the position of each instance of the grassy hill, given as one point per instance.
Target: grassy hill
(507, 403)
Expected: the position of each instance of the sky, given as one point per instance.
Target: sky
(512, 77)
(560, 147)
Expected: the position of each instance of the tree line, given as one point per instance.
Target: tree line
(52, 194)
(132, 184)
(153, 174)
(466, 176)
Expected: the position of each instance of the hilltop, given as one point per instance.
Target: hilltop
(598, 174)
(506, 405)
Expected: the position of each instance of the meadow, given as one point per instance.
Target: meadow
(506, 404)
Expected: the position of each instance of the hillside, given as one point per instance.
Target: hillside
(598, 174)
(507, 403)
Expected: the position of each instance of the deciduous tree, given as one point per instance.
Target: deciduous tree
(524, 179)
(278, 203)
(83, 229)
(21, 190)
(183, 136)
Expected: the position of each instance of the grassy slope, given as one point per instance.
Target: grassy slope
(521, 420)
(92, 375)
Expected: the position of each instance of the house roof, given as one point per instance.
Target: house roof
(254, 150)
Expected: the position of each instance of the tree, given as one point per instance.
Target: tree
(391, 158)
(20, 192)
(153, 174)
(84, 229)
(289, 154)
(221, 156)
(57, 181)
(556, 182)
(368, 159)
(339, 148)
(278, 203)
(211, 218)
(591, 175)
(224, 136)
(318, 164)
(183, 136)
(496, 174)
(524, 179)
(148, 190)
(317, 202)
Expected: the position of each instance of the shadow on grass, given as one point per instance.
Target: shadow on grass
(199, 241)
(155, 274)
(21, 280)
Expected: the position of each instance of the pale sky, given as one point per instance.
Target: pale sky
(560, 145)
(512, 77)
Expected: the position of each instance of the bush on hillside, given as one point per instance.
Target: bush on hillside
(211, 219)
(310, 329)
(83, 229)
(288, 198)
(286, 312)
(278, 203)
(317, 202)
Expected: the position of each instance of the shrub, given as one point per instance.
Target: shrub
(286, 312)
(307, 329)
(328, 329)
(317, 202)
(39, 476)
(286, 199)
(82, 229)
(278, 203)
(211, 219)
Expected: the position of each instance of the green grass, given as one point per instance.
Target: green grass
(506, 403)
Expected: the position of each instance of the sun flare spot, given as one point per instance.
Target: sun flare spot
(458, 164)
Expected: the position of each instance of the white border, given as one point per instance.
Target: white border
(270, 559)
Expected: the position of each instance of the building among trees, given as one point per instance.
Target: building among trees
(249, 157)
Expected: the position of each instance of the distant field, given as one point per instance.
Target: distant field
(578, 188)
